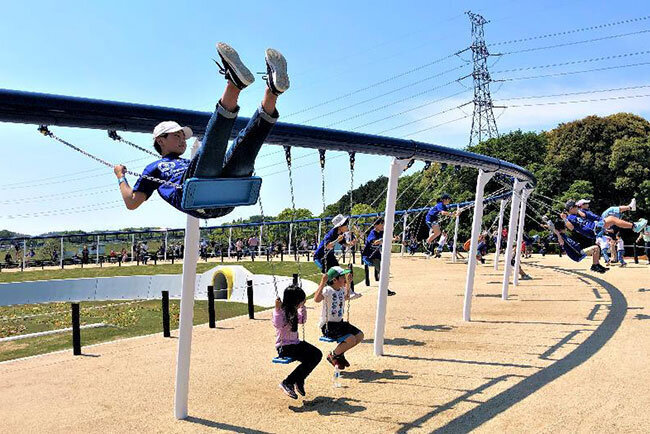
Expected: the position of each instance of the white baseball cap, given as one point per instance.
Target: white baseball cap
(339, 220)
(171, 127)
(582, 202)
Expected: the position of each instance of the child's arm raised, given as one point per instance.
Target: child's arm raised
(278, 304)
(318, 295)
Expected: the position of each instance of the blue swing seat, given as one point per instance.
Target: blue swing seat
(283, 360)
(366, 261)
(339, 340)
(207, 193)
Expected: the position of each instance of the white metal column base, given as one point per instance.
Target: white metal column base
(499, 231)
(512, 231)
(477, 220)
(186, 318)
(454, 256)
(396, 168)
(520, 235)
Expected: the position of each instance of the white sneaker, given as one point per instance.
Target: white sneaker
(633, 204)
(354, 295)
(276, 76)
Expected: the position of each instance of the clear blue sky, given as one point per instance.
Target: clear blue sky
(160, 53)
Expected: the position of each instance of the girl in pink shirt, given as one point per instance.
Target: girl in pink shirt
(288, 313)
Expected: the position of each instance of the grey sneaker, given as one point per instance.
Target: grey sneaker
(233, 68)
(276, 76)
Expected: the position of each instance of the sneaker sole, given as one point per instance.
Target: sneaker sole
(287, 393)
(279, 66)
(230, 56)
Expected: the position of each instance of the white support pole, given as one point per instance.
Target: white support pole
(396, 168)
(453, 249)
(132, 246)
(259, 243)
(498, 246)
(512, 231)
(229, 241)
(320, 225)
(520, 235)
(166, 245)
(290, 234)
(190, 258)
(405, 218)
(97, 255)
(61, 255)
(481, 181)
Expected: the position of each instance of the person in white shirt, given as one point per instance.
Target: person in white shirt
(333, 291)
(604, 244)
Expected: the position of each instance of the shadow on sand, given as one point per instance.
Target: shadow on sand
(328, 406)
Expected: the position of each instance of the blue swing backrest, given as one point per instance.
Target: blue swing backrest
(207, 193)
(282, 360)
(366, 261)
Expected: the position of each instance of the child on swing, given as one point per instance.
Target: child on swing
(371, 254)
(333, 291)
(288, 313)
(211, 160)
(432, 220)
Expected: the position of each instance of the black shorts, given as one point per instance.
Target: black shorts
(335, 330)
(327, 262)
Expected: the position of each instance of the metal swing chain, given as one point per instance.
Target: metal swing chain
(287, 155)
(113, 135)
(43, 129)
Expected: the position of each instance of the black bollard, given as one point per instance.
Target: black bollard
(172, 259)
(252, 256)
(119, 261)
(295, 279)
(165, 313)
(351, 278)
(343, 255)
(282, 255)
(155, 259)
(365, 267)
(211, 313)
(76, 330)
(268, 254)
(354, 255)
(307, 255)
(636, 254)
(221, 255)
(249, 293)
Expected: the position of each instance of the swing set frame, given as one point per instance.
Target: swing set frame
(57, 110)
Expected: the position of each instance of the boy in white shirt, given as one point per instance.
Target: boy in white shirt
(603, 243)
(333, 291)
(620, 249)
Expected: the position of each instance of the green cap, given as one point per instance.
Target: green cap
(335, 272)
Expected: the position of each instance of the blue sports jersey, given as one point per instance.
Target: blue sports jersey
(369, 250)
(169, 168)
(432, 215)
(329, 237)
(591, 216)
(583, 226)
(573, 249)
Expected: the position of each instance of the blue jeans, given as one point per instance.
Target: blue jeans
(605, 254)
(212, 160)
(620, 256)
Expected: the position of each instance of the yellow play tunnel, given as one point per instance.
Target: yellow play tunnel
(223, 279)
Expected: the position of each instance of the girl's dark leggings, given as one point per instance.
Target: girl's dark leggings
(309, 357)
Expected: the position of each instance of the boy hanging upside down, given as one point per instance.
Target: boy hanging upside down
(211, 160)
(591, 225)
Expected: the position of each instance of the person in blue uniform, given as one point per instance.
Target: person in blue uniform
(573, 249)
(371, 254)
(211, 160)
(432, 219)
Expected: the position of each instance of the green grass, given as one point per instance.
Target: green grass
(124, 318)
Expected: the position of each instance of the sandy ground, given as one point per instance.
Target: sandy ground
(568, 352)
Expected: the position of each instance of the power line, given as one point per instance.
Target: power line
(567, 44)
(557, 74)
(580, 101)
(384, 94)
(575, 62)
(378, 83)
(426, 117)
(616, 89)
(568, 32)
